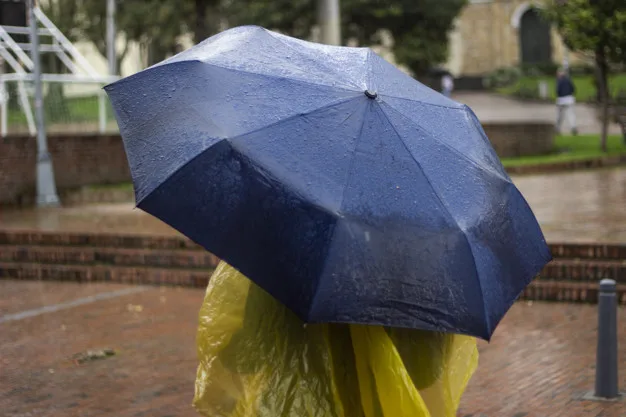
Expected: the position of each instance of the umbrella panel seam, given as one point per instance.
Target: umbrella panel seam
(445, 207)
(452, 148)
(295, 49)
(460, 107)
(347, 180)
(229, 140)
(342, 87)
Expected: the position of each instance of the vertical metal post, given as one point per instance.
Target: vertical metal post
(329, 21)
(28, 112)
(606, 354)
(565, 59)
(4, 112)
(111, 55)
(102, 112)
(4, 102)
(543, 89)
(46, 187)
(112, 60)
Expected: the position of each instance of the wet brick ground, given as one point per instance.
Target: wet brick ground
(540, 361)
(541, 357)
(152, 374)
(583, 206)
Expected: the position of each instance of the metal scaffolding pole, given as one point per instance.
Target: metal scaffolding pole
(329, 21)
(46, 187)
(111, 55)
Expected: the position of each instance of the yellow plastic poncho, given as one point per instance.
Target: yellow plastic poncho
(257, 359)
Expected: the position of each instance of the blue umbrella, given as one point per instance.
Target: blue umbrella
(343, 187)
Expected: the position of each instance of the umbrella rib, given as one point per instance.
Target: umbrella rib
(307, 113)
(424, 102)
(353, 158)
(445, 207)
(451, 148)
(273, 35)
(229, 139)
(343, 87)
(369, 69)
(343, 193)
(468, 111)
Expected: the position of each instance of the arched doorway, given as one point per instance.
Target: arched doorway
(535, 41)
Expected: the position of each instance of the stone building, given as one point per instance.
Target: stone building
(492, 34)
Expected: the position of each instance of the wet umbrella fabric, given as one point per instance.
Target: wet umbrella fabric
(343, 187)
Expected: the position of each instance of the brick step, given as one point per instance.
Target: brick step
(574, 270)
(581, 292)
(9, 237)
(88, 255)
(538, 290)
(588, 251)
(103, 273)
(584, 270)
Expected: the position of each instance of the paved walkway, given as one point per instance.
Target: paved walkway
(152, 331)
(119, 218)
(539, 363)
(584, 206)
(493, 107)
(540, 360)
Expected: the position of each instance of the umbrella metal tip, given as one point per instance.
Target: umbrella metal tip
(371, 94)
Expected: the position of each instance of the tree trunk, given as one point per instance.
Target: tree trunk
(121, 56)
(200, 32)
(603, 90)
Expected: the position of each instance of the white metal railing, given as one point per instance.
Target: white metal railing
(13, 53)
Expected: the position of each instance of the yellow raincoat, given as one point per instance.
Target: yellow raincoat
(257, 359)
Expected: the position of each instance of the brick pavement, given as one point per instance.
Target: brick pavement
(152, 373)
(541, 357)
(13, 297)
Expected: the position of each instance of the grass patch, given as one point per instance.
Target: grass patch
(572, 148)
(585, 88)
(73, 110)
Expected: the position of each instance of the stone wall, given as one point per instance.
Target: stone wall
(78, 160)
(514, 139)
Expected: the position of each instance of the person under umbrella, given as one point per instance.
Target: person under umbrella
(346, 190)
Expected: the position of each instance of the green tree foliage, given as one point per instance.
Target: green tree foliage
(63, 15)
(597, 28)
(419, 28)
(156, 24)
(207, 15)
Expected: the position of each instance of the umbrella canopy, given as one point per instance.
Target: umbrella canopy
(340, 185)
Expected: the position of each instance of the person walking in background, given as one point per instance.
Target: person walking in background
(565, 101)
(447, 85)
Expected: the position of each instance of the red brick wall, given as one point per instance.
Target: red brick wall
(78, 160)
(100, 159)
